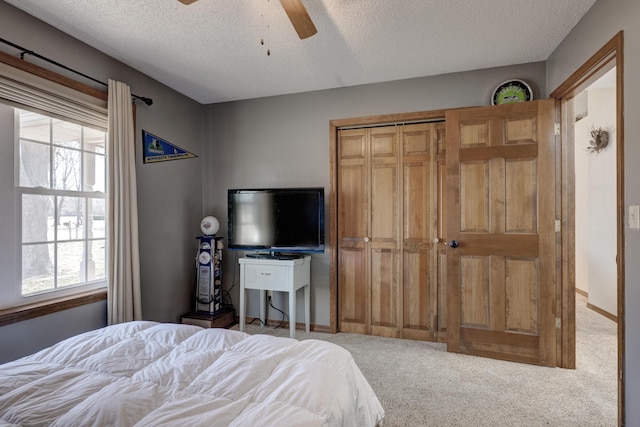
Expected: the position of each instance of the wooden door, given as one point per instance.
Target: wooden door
(420, 230)
(353, 201)
(368, 231)
(384, 231)
(387, 230)
(501, 211)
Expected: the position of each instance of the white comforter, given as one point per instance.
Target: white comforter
(153, 374)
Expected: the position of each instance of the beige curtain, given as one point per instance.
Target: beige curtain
(123, 288)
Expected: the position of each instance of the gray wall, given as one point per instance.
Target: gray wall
(22, 338)
(284, 141)
(169, 193)
(599, 25)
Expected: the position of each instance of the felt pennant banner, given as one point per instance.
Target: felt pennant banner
(156, 149)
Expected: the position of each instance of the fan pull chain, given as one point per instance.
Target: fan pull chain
(262, 42)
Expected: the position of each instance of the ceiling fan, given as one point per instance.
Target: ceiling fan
(297, 14)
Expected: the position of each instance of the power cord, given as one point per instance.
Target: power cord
(254, 319)
(227, 302)
(284, 315)
(235, 281)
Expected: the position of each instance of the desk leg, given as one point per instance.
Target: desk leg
(242, 307)
(307, 306)
(263, 302)
(292, 313)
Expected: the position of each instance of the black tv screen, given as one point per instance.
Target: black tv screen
(277, 219)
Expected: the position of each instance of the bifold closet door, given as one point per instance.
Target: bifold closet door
(368, 231)
(387, 227)
(384, 231)
(353, 201)
(420, 230)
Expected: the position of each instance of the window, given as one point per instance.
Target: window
(53, 242)
(61, 188)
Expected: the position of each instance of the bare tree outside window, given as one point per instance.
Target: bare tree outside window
(35, 172)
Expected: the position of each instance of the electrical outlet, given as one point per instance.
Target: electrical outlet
(269, 295)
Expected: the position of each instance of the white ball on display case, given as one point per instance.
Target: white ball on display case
(209, 225)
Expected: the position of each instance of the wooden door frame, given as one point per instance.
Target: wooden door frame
(610, 55)
(334, 126)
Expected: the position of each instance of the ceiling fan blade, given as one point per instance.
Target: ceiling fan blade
(299, 18)
(187, 2)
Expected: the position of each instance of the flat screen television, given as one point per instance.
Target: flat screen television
(276, 220)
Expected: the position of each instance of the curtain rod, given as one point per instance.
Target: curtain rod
(25, 51)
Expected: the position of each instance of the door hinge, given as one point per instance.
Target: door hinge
(558, 225)
(558, 323)
(556, 129)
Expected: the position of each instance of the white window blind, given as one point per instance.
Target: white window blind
(25, 90)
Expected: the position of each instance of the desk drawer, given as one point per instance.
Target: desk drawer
(265, 275)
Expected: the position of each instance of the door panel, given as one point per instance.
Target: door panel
(415, 294)
(384, 208)
(474, 195)
(417, 222)
(419, 229)
(352, 146)
(501, 209)
(417, 233)
(353, 291)
(352, 228)
(352, 220)
(384, 292)
(474, 286)
(384, 143)
(521, 292)
(385, 229)
(521, 208)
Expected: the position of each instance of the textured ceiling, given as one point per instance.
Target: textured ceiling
(211, 50)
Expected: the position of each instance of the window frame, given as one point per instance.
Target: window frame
(66, 299)
(53, 190)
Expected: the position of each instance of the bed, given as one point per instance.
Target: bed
(154, 374)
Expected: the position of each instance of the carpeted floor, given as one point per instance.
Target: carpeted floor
(420, 384)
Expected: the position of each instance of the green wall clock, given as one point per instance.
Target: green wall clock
(511, 91)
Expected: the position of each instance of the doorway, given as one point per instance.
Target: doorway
(609, 57)
(595, 194)
(595, 200)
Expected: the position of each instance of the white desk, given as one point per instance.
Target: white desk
(276, 275)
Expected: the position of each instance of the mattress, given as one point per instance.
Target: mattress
(154, 374)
